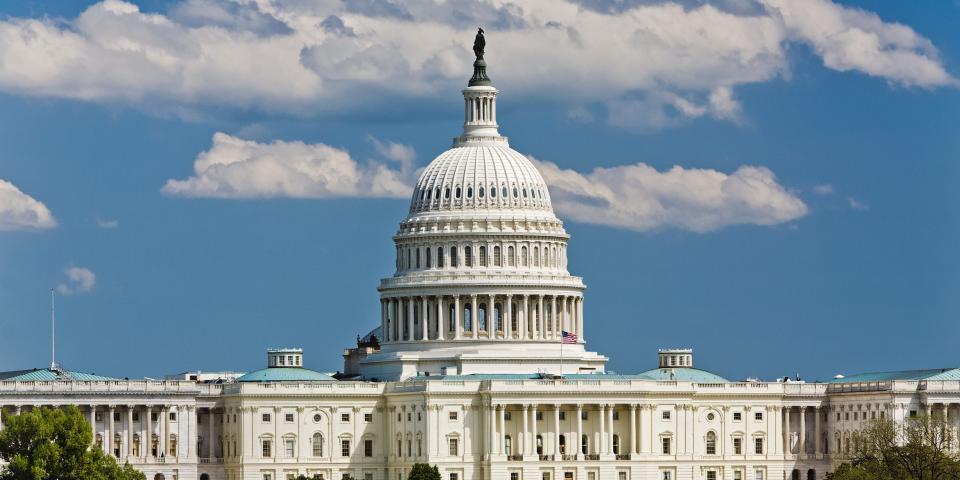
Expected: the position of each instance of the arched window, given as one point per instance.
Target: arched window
(316, 444)
(616, 444)
(429, 263)
(711, 443)
(453, 257)
(470, 191)
(99, 441)
(458, 192)
(482, 316)
(409, 257)
(493, 192)
(496, 257)
(204, 476)
(811, 474)
(467, 321)
(483, 256)
(795, 474)
(524, 193)
(117, 442)
(468, 256)
(536, 257)
(515, 192)
(497, 318)
(429, 194)
(158, 476)
(480, 192)
(503, 191)
(523, 256)
(446, 193)
(507, 445)
(436, 195)
(439, 257)
(511, 258)
(418, 257)
(154, 445)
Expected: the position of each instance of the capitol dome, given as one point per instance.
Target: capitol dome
(481, 282)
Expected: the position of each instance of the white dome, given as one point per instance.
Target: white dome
(481, 175)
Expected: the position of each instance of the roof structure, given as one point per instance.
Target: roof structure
(286, 374)
(927, 374)
(679, 374)
(47, 375)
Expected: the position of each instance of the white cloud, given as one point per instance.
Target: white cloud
(857, 205)
(824, 189)
(309, 57)
(854, 39)
(108, 224)
(19, 211)
(638, 197)
(238, 168)
(79, 280)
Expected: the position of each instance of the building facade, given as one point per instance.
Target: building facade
(478, 364)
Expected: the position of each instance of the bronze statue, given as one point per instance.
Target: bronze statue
(478, 43)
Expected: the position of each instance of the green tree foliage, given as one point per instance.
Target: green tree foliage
(423, 471)
(920, 448)
(54, 444)
(318, 477)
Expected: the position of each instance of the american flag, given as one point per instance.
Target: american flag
(567, 337)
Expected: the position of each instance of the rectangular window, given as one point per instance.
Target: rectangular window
(838, 416)
(265, 417)
(758, 446)
(290, 446)
(288, 417)
(507, 416)
(368, 448)
(136, 416)
(453, 416)
(173, 416)
(758, 475)
(737, 446)
(711, 475)
(453, 447)
(368, 417)
(344, 448)
(545, 476)
(344, 417)
(266, 449)
(583, 415)
(621, 475)
(267, 476)
(913, 413)
(665, 446)
(737, 416)
(514, 476)
(563, 415)
(667, 476)
(758, 416)
(454, 476)
(665, 415)
(116, 416)
(539, 416)
(616, 416)
(737, 475)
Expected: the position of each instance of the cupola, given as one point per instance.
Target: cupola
(675, 357)
(284, 357)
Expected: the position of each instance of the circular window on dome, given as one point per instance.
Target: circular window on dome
(710, 416)
(317, 417)
(480, 192)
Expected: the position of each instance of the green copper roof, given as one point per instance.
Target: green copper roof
(683, 374)
(286, 374)
(47, 375)
(928, 374)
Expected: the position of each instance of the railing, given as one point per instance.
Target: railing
(568, 458)
(623, 456)
(546, 458)
(592, 456)
(515, 458)
(120, 386)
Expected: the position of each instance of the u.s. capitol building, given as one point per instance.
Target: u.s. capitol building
(479, 365)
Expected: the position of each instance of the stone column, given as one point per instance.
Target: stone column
(93, 423)
(442, 317)
(493, 430)
(786, 431)
(396, 330)
(579, 442)
(803, 432)
(523, 318)
(147, 437)
(211, 449)
(526, 430)
(556, 431)
(816, 432)
(409, 323)
(554, 318)
(610, 427)
(581, 333)
(602, 447)
(633, 428)
(108, 442)
(383, 320)
(192, 431)
(165, 430)
(458, 321)
(508, 320)
(129, 449)
(541, 323)
(474, 318)
(503, 428)
(492, 317)
(533, 435)
(424, 319)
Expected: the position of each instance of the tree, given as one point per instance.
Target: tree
(318, 477)
(54, 444)
(919, 448)
(423, 471)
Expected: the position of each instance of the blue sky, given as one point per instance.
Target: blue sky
(829, 129)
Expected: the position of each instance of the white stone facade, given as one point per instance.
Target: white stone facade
(470, 373)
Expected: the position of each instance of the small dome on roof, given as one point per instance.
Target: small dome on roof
(688, 374)
(286, 374)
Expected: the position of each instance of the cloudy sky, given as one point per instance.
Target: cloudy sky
(770, 182)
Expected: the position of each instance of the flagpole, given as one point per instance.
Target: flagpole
(561, 352)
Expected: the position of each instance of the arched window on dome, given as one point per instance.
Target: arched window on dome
(454, 263)
(515, 192)
(482, 317)
(409, 256)
(446, 193)
(470, 191)
(493, 192)
(458, 193)
(524, 193)
(503, 191)
(496, 257)
(511, 257)
(467, 320)
(429, 263)
(497, 318)
(423, 194)
(536, 257)
(418, 257)
(439, 257)
(523, 256)
(436, 194)
(483, 256)
(429, 194)
(480, 192)
(468, 256)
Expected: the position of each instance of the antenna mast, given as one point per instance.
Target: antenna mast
(53, 331)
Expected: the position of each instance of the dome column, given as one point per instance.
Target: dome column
(523, 319)
(425, 318)
(441, 320)
(383, 320)
(541, 319)
(458, 329)
(474, 319)
(491, 318)
(408, 334)
(508, 323)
